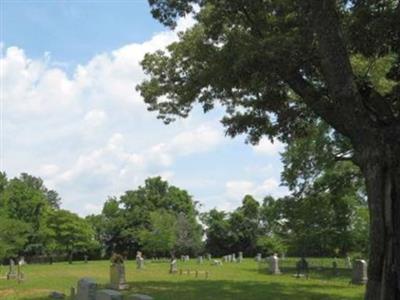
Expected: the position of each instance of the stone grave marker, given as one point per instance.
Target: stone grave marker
(348, 262)
(12, 272)
(240, 257)
(139, 261)
(302, 268)
(86, 289)
(216, 262)
(117, 273)
(359, 272)
(200, 260)
(139, 297)
(258, 257)
(274, 265)
(108, 295)
(173, 267)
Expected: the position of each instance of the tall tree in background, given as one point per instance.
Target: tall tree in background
(328, 204)
(279, 66)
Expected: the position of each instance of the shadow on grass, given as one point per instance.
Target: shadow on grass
(223, 289)
(227, 290)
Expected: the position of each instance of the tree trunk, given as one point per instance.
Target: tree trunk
(381, 169)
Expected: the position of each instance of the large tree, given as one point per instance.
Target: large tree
(280, 65)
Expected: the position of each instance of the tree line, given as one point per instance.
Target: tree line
(163, 220)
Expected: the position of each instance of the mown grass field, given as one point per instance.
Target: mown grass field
(245, 281)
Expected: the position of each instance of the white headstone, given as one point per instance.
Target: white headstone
(173, 267)
(240, 256)
(139, 260)
(348, 262)
(274, 265)
(200, 259)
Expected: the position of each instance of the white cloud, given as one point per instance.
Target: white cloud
(95, 118)
(89, 134)
(265, 146)
(235, 190)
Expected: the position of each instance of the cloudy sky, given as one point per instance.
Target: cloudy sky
(70, 113)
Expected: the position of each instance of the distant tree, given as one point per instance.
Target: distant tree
(217, 230)
(72, 233)
(13, 236)
(188, 235)
(160, 238)
(23, 201)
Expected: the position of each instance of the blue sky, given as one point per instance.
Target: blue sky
(71, 115)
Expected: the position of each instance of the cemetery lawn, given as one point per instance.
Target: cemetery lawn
(231, 281)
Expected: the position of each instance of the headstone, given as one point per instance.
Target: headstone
(302, 268)
(348, 262)
(117, 276)
(86, 289)
(85, 257)
(334, 267)
(258, 257)
(139, 297)
(20, 274)
(240, 256)
(139, 260)
(187, 258)
(173, 267)
(274, 265)
(12, 272)
(216, 262)
(57, 295)
(200, 260)
(208, 256)
(359, 272)
(108, 295)
(22, 261)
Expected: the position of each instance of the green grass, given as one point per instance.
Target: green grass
(244, 281)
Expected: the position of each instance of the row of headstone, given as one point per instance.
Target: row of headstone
(185, 258)
(359, 275)
(229, 258)
(87, 289)
(15, 272)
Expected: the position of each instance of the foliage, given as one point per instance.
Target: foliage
(160, 239)
(72, 233)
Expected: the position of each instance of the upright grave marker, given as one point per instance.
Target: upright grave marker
(117, 273)
(274, 265)
(359, 272)
(86, 289)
